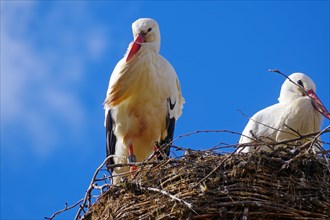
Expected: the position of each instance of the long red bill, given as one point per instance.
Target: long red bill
(318, 105)
(135, 47)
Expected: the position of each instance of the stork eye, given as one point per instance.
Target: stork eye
(300, 83)
(150, 29)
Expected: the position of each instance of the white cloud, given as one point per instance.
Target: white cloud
(43, 67)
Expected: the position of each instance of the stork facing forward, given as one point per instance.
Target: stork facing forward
(143, 100)
(297, 113)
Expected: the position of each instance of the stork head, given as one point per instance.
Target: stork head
(145, 31)
(299, 85)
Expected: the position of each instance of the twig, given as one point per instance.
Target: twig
(258, 122)
(66, 208)
(279, 72)
(245, 213)
(190, 206)
(90, 188)
(325, 130)
(303, 136)
(291, 129)
(206, 131)
(288, 141)
(134, 164)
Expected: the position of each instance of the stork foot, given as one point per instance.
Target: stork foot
(156, 154)
(132, 168)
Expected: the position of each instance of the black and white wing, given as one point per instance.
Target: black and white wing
(110, 139)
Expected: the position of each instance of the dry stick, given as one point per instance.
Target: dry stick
(258, 122)
(87, 195)
(287, 141)
(279, 72)
(245, 213)
(291, 129)
(67, 207)
(205, 131)
(134, 164)
(102, 187)
(90, 188)
(299, 138)
(190, 206)
(218, 146)
(259, 141)
(325, 130)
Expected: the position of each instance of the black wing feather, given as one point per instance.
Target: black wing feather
(170, 125)
(110, 140)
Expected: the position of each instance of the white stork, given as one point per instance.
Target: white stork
(299, 110)
(143, 100)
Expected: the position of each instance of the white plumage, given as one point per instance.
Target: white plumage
(143, 99)
(299, 109)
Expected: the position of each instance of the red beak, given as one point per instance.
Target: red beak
(317, 104)
(136, 46)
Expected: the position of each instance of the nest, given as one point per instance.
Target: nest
(205, 185)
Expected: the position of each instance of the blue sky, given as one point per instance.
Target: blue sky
(57, 57)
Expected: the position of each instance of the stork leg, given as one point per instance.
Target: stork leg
(157, 154)
(131, 158)
(155, 148)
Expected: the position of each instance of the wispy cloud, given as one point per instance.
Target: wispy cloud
(43, 67)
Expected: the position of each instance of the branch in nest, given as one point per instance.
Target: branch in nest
(303, 136)
(190, 206)
(325, 130)
(66, 208)
(267, 126)
(90, 188)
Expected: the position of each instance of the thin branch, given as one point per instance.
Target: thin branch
(190, 206)
(291, 129)
(90, 188)
(303, 136)
(258, 122)
(279, 72)
(206, 131)
(325, 130)
(66, 208)
(134, 164)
